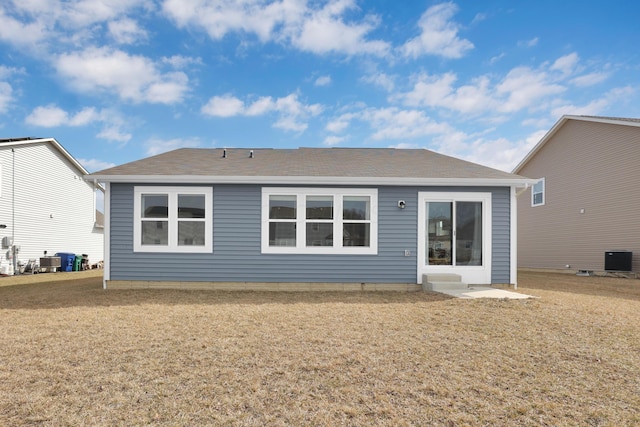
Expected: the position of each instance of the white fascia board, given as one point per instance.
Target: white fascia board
(609, 120)
(313, 180)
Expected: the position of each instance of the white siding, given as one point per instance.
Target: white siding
(52, 209)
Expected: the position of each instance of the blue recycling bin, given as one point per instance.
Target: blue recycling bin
(66, 261)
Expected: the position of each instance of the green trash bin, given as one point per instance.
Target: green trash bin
(77, 262)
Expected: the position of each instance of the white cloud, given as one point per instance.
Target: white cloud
(382, 80)
(333, 140)
(593, 108)
(524, 87)
(529, 43)
(292, 114)
(157, 145)
(6, 72)
(590, 79)
(53, 116)
(325, 31)
(439, 35)
(323, 81)
(565, 64)
(341, 123)
(126, 31)
(44, 25)
(223, 106)
(499, 153)
(393, 123)
(114, 132)
(179, 61)
(390, 123)
(439, 91)
(319, 30)
(134, 78)
(93, 165)
(83, 13)
(496, 58)
(257, 17)
(6, 96)
(521, 88)
(22, 34)
(405, 145)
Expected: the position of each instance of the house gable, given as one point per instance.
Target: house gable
(45, 203)
(590, 171)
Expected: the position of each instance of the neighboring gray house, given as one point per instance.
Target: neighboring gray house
(587, 202)
(327, 216)
(45, 205)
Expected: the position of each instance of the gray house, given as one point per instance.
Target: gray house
(585, 207)
(320, 218)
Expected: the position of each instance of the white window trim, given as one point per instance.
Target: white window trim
(173, 219)
(544, 190)
(337, 194)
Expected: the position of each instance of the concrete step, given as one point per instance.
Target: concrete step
(444, 286)
(442, 282)
(441, 277)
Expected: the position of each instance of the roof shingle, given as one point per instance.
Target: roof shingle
(305, 162)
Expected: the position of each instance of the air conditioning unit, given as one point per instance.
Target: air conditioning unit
(7, 241)
(617, 260)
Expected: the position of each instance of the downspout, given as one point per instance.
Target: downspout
(13, 210)
(106, 258)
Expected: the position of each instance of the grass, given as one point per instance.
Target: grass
(73, 354)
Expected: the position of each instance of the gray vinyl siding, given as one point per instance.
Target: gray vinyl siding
(237, 253)
(501, 242)
(590, 166)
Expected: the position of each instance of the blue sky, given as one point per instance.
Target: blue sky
(118, 80)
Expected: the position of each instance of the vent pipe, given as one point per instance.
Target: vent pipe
(251, 154)
(224, 153)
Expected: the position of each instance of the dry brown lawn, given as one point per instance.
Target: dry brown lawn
(74, 354)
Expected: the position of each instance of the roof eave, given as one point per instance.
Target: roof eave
(56, 144)
(311, 180)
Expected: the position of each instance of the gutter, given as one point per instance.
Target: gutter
(313, 180)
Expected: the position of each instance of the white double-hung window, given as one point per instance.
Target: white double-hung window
(319, 220)
(172, 219)
(537, 193)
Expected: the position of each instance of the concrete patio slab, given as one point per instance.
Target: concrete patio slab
(484, 292)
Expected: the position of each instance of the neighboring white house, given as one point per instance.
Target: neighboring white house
(45, 205)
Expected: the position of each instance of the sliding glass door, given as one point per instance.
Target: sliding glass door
(455, 232)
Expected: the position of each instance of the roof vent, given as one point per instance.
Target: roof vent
(251, 154)
(224, 153)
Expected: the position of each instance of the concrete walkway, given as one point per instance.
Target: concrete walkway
(484, 292)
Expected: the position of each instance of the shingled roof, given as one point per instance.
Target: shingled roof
(304, 165)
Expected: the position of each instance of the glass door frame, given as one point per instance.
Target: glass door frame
(471, 274)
